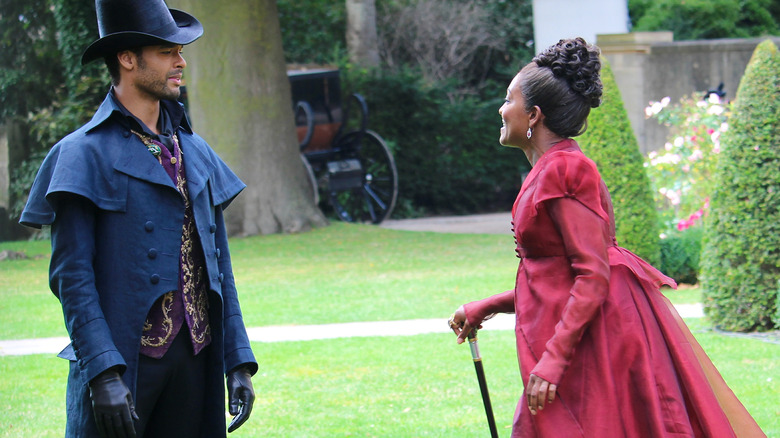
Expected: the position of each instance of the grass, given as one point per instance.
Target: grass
(417, 386)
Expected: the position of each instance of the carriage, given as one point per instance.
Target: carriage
(351, 168)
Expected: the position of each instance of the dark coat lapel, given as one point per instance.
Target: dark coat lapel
(197, 166)
(136, 161)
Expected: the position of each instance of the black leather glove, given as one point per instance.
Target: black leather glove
(241, 396)
(112, 405)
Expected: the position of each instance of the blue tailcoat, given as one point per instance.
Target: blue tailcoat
(108, 271)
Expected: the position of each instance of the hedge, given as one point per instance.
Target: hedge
(681, 253)
(445, 148)
(740, 266)
(609, 141)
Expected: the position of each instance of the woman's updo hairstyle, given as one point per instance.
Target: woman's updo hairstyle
(564, 82)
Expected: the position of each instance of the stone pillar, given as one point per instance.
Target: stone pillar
(628, 55)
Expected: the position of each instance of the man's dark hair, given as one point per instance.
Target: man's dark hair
(112, 62)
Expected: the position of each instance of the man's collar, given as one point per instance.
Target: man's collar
(112, 107)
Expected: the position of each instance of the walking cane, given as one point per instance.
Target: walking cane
(482, 382)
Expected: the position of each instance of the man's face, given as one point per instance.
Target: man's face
(159, 71)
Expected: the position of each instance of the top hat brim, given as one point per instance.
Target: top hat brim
(188, 29)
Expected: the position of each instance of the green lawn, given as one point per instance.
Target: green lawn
(416, 386)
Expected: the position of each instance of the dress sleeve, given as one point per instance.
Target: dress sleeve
(477, 311)
(586, 246)
(567, 174)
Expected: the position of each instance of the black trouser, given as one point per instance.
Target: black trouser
(171, 391)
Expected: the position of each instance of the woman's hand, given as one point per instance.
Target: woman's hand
(538, 392)
(460, 324)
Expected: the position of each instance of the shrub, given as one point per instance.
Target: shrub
(446, 149)
(610, 142)
(443, 41)
(682, 172)
(313, 33)
(71, 104)
(705, 19)
(741, 254)
(680, 253)
(443, 130)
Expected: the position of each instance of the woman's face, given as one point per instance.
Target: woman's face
(514, 116)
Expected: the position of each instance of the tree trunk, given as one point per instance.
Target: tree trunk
(361, 33)
(240, 102)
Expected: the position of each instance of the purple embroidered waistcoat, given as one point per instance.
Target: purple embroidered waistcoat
(187, 306)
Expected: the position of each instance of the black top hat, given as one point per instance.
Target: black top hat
(124, 24)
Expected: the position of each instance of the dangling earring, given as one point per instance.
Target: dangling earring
(528, 133)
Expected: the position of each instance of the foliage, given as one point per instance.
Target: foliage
(30, 65)
(610, 143)
(76, 29)
(314, 33)
(741, 254)
(682, 177)
(680, 252)
(450, 42)
(72, 101)
(446, 148)
(706, 19)
(442, 131)
(682, 172)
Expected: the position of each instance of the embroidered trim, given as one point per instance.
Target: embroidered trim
(167, 324)
(194, 290)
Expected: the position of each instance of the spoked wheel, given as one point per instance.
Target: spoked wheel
(371, 199)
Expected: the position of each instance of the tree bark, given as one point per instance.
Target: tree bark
(361, 35)
(240, 102)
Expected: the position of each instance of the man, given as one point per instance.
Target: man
(140, 260)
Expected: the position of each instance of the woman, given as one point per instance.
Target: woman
(602, 352)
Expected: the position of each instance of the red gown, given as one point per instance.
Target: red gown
(591, 319)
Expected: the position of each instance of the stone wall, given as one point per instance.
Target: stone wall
(650, 65)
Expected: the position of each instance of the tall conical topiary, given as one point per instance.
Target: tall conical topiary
(740, 263)
(610, 142)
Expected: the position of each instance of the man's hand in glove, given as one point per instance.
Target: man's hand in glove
(112, 405)
(241, 396)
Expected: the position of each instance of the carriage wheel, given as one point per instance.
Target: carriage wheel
(375, 199)
(312, 186)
